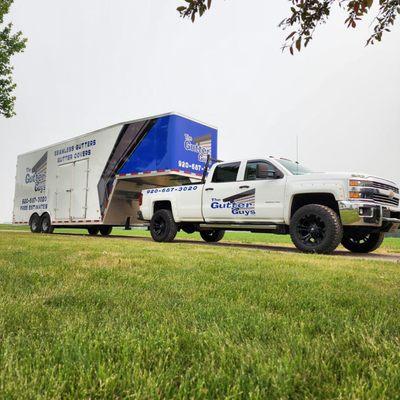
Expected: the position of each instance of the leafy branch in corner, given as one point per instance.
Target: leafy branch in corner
(306, 15)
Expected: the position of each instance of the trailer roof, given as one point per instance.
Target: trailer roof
(115, 125)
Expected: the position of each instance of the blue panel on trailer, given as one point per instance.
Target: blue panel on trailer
(174, 142)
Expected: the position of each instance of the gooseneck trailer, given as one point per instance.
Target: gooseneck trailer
(94, 181)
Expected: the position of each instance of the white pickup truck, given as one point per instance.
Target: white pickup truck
(267, 194)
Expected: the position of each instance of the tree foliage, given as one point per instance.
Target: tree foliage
(10, 44)
(306, 15)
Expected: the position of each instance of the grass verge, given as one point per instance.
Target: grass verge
(88, 318)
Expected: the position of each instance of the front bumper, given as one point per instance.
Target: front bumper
(369, 214)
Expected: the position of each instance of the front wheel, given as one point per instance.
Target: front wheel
(362, 242)
(212, 236)
(163, 227)
(316, 229)
(34, 223)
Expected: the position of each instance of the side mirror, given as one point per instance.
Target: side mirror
(264, 173)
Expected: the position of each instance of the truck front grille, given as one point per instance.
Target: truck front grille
(383, 186)
(383, 199)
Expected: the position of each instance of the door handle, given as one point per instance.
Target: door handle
(208, 189)
(244, 187)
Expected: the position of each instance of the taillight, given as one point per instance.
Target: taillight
(140, 199)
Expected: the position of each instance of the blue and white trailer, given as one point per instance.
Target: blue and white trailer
(95, 180)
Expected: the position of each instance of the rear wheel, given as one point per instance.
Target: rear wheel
(212, 236)
(34, 223)
(362, 242)
(163, 227)
(105, 230)
(93, 230)
(316, 229)
(45, 224)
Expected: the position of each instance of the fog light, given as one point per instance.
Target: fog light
(355, 195)
(366, 212)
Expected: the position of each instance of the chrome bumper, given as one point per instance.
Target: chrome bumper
(367, 214)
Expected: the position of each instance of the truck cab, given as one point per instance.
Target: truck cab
(267, 194)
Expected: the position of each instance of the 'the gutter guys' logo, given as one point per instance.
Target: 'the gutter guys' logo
(200, 145)
(239, 204)
(38, 174)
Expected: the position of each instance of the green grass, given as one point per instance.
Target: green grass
(82, 317)
(390, 245)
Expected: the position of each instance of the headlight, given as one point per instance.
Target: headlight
(355, 182)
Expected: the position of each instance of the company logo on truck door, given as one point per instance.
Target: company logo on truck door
(240, 204)
(37, 174)
(200, 145)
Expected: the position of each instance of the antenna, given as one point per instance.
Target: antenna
(297, 152)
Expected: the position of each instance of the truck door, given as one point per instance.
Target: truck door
(220, 194)
(63, 191)
(268, 185)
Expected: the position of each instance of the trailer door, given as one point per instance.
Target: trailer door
(79, 192)
(63, 193)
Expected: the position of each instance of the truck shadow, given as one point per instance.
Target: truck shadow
(249, 246)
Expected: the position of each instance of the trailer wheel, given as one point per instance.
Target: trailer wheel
(362, 242)
(93, 230)
(105, 230)
(34, 223)
(316, 229)
(45, 224)
(163, 227)
(212, 236)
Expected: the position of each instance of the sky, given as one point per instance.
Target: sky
(93, 63)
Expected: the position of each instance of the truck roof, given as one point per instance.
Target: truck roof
(115, 125)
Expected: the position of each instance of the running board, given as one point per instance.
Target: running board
(249, 227)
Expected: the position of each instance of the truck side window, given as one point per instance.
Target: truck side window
(251, 170)
(226, 172)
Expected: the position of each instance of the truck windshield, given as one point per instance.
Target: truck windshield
(294, 168)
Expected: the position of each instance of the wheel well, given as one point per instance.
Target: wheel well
(162, 205)
(324, 199)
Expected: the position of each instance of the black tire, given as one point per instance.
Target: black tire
(163, 227)
(93, 230)
(362, 242)
(105, 230)
(212, 236)
(316, 229)
(45, 224)
(34, 223)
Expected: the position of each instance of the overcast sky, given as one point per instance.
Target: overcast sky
(93, 63)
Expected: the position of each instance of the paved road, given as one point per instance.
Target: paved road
(395, 257)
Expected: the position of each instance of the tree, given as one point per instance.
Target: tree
(10, 44)
(306, 15)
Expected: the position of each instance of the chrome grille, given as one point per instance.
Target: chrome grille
(383, 199)
(384, 186)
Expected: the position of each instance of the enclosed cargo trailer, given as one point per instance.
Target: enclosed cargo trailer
(95, 180)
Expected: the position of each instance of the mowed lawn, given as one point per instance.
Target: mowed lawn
(390, 245)
(82, 317)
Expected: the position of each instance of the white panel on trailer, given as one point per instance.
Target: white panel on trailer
(63, 193)
(79, 191)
